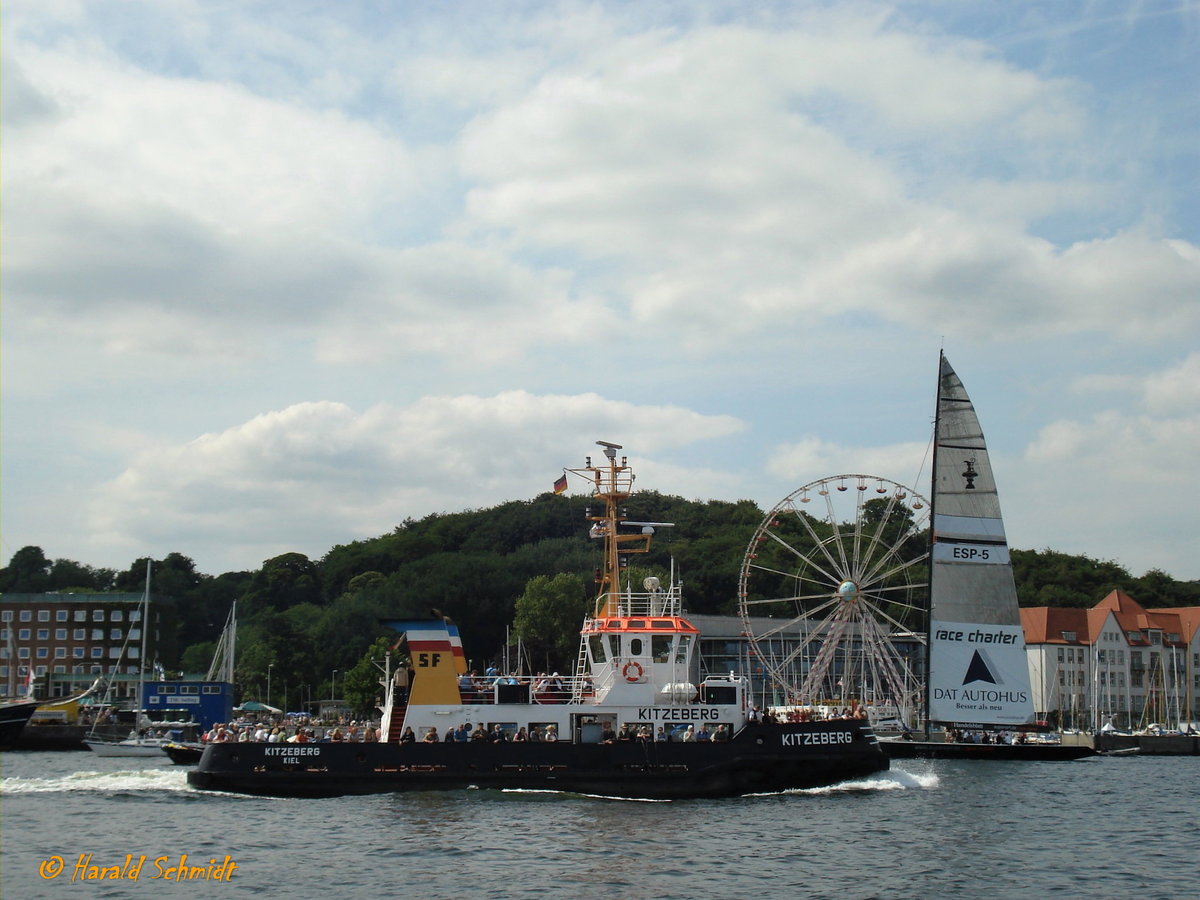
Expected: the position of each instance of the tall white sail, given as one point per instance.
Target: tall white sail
(978, 671)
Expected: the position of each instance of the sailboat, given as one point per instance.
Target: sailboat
(15, 711)
(135, 744)
(977, 672)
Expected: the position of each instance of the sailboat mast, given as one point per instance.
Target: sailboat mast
(933, 473)
(137, 713)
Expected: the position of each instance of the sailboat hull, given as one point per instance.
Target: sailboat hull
(126, 748)
(759, 759)
(901, 749)
(13, 718)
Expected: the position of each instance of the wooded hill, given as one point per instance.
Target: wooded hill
(307, 618)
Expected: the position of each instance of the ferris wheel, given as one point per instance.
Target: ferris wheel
(832, 593)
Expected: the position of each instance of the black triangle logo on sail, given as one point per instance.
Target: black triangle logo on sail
(978, 671)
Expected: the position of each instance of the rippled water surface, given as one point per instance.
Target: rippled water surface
(1098, 828)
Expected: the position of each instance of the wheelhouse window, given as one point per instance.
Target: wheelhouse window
(660, 647)
(596, 642)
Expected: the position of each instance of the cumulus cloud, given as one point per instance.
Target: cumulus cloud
(320, 473)
(720, 179)
(1118, 473)
(812, 458)
(721, 169)
(221, 210)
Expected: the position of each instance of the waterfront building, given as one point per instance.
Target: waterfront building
(1115, 663)
(67, 640)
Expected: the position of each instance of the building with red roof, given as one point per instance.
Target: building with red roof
(1117, 663)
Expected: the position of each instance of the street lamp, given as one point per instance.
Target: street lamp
(332, 683)
(270, 666)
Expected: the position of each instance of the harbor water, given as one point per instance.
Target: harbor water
(76, 825)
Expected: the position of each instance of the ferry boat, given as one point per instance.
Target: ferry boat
(598, 731)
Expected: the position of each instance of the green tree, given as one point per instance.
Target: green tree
(28, 572)
(284, 581)
(197, 658)
(360, 685)
(548, 616)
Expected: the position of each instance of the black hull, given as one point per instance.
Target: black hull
(13, 717)
(760, 759)
(901, 749)
(183, 754)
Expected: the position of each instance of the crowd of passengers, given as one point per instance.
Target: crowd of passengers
(552, 688)
(807, 714)
(497, 734)
(289, 733)
(955, 736)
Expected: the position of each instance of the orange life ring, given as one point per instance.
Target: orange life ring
(632, 672)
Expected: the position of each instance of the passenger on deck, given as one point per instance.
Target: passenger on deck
(480, 733)
(551, 733)
(721, 734)
(625, 734)
(661, 736)
(607, 735)
(448, 737)
(689, 734)
(467, 687)
(408, 737)
(520, 736)
(431, 736)
(498, 736)
(703, 734)
(462, 733)
(535, 733)
(644, 734)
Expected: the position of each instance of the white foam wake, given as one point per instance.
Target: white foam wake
(133, 780)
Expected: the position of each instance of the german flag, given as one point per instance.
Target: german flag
(561, 484)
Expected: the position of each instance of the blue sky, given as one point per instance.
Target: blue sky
(278, 276)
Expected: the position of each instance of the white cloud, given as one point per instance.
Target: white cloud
(1176, 389)
(708, 165)
(213, 211)
(317, 474)
(1115, 479)
(812, 458)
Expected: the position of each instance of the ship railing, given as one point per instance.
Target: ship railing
(540, 689)
(666, 602)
